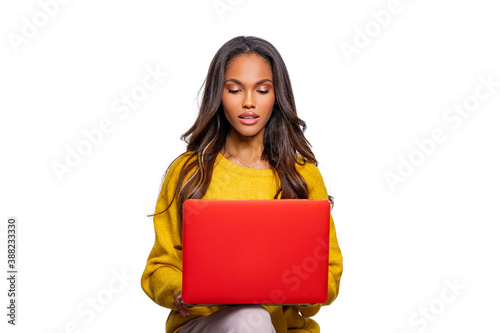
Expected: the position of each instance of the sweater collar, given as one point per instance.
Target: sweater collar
(233, 167)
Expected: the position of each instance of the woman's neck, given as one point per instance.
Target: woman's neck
(246, 151)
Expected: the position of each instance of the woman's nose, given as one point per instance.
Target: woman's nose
(249, 100)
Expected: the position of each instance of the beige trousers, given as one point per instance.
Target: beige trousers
(233, 319)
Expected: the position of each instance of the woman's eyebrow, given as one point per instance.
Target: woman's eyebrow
(238, 82)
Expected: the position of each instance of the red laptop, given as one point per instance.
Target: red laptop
(255, 251)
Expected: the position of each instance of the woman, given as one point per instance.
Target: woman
(246, 143)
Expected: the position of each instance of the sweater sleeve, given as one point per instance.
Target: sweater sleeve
(317, 190)
(162, 277)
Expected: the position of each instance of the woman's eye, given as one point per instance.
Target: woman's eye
(234, 91)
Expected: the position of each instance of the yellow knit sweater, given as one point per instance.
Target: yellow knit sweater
(162, 277)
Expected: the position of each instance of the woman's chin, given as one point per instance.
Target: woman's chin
(248, 132)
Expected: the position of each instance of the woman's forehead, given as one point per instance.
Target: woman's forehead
(250, 67)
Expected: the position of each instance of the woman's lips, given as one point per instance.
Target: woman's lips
(249, 121)
(248, 118)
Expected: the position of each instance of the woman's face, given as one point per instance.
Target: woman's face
(248, 95)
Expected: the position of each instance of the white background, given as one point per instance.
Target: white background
(403, 246)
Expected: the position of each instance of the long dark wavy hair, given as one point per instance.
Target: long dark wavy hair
(283, 137)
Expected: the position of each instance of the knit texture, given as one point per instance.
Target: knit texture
(162, 277)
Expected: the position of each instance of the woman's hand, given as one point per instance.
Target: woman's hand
(178, 305)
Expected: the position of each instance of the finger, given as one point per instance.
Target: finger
(183, 310)
(176, 301)
(179, 306)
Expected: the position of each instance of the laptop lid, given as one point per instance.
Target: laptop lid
(255, 251)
